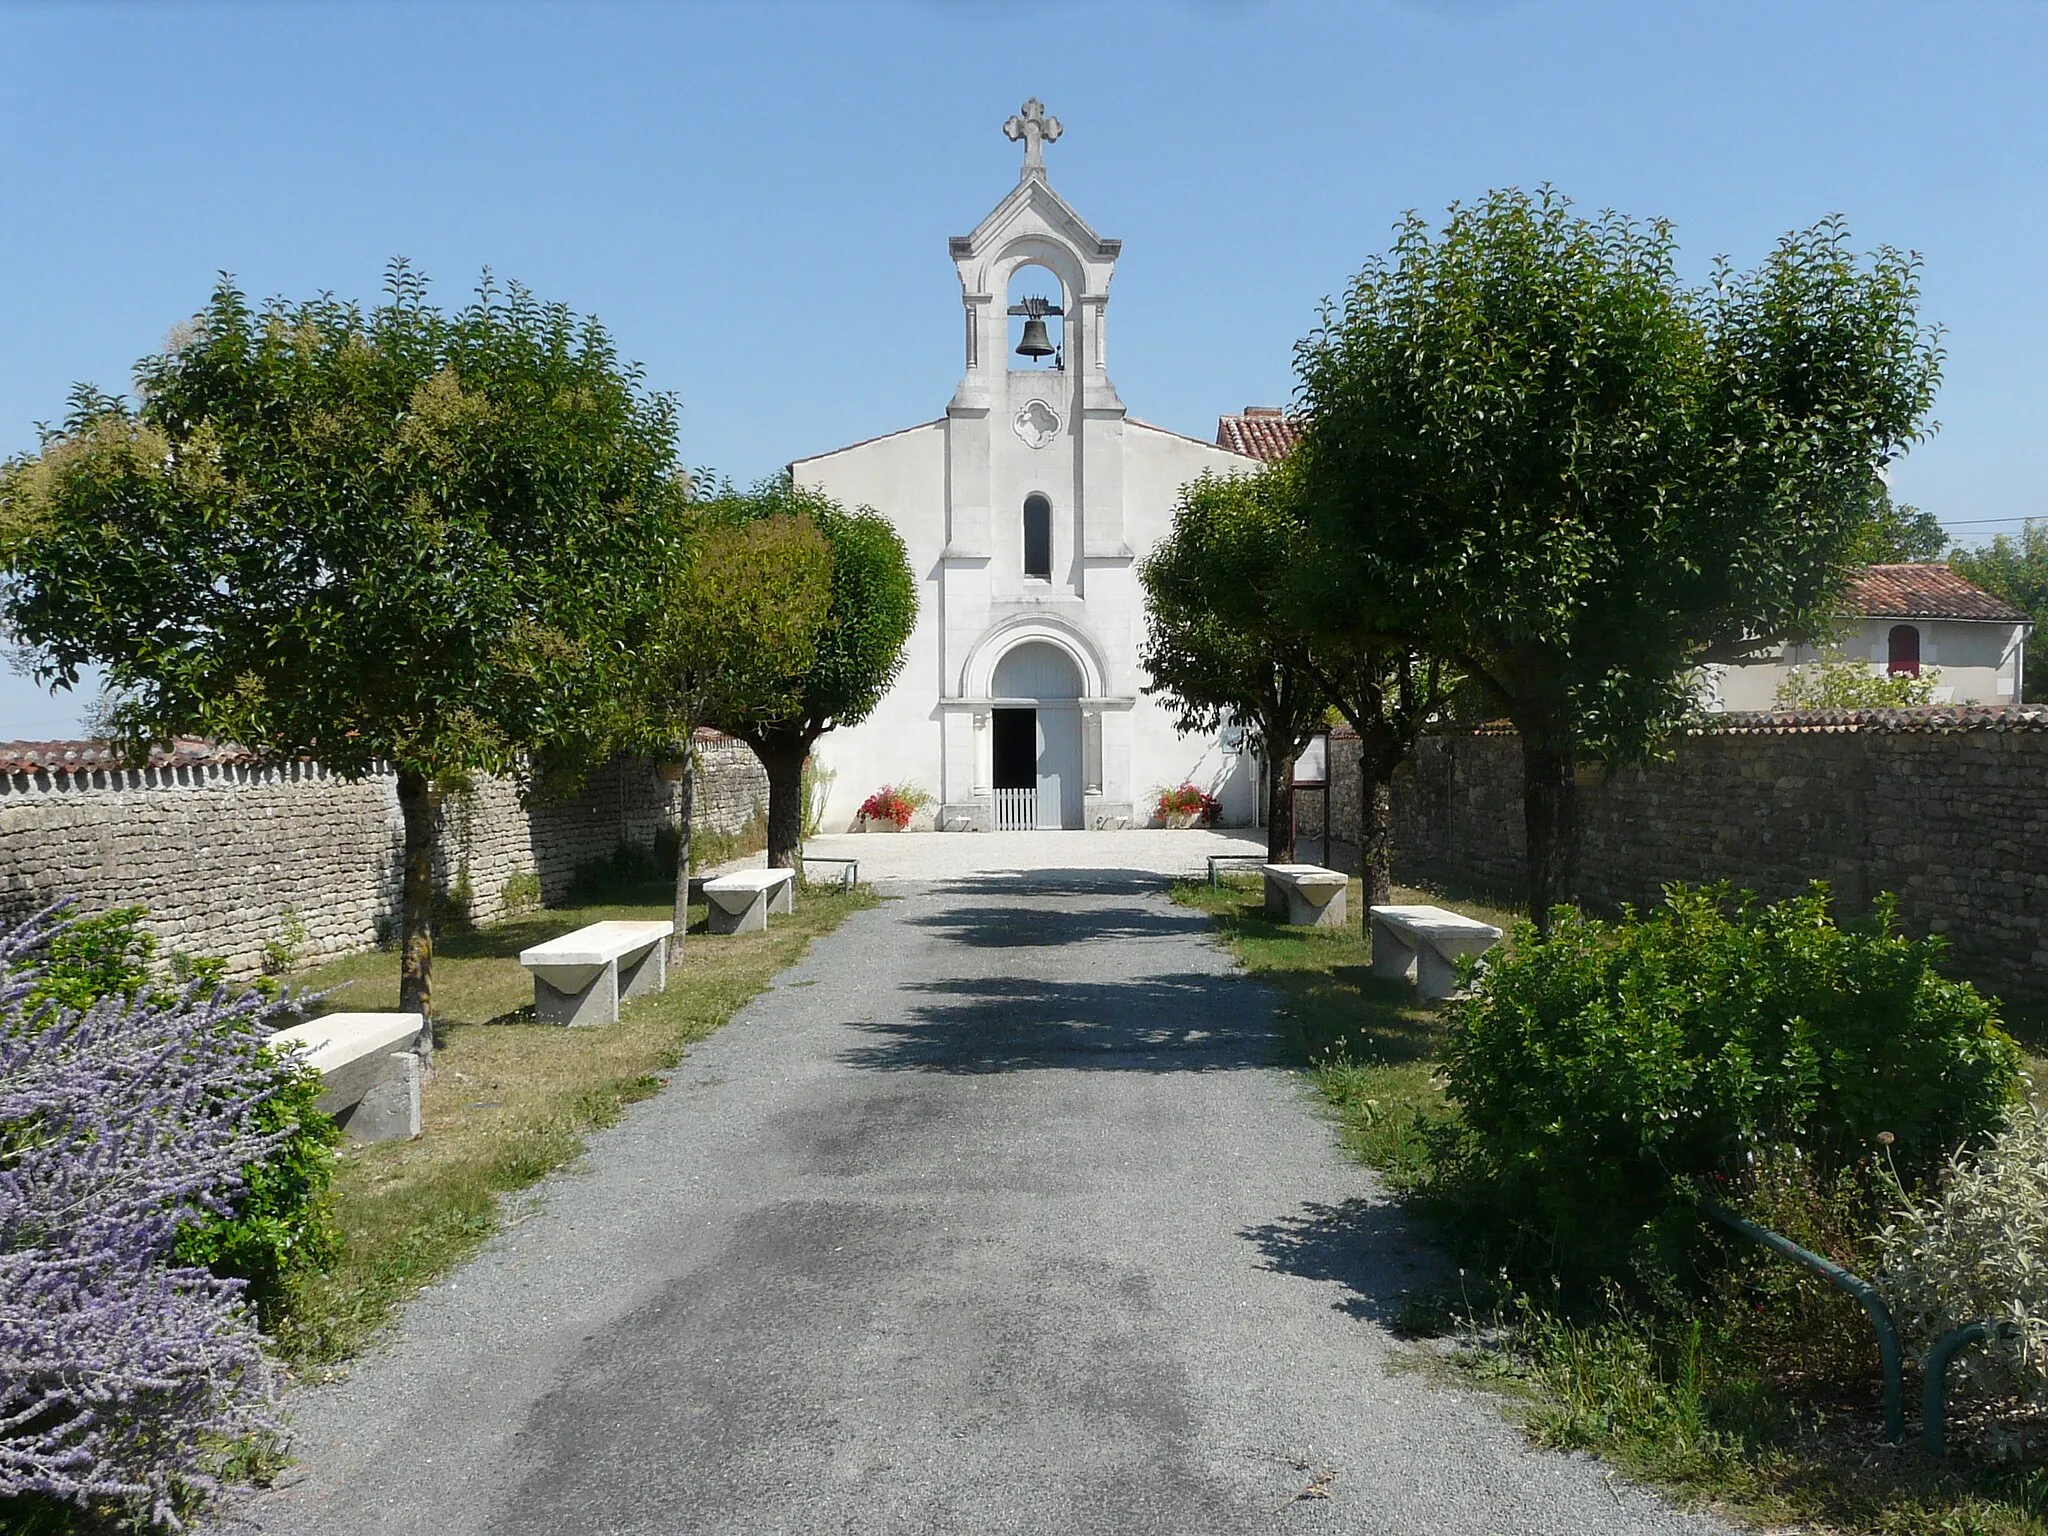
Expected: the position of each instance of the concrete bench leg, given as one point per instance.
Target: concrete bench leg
(784, 899)
(1392, 956)
(1435, 976)
(389, 1109)
(753, 918)
(1306, 914)
(648, 973)
(596, 1002)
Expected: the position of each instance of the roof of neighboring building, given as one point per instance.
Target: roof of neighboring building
(1262, 432)
(1922, 592)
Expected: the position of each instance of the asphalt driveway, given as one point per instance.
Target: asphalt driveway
(993, 1216)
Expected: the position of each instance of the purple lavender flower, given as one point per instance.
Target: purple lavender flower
(117, 1124)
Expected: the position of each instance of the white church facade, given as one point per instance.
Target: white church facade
(1026, 509)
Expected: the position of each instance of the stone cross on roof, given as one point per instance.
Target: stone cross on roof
(1036, 130)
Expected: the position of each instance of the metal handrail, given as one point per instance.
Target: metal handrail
(1230, 858)
(1934, 1380)
(1855, 1285)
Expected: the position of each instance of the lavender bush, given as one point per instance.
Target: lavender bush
(119, 1123)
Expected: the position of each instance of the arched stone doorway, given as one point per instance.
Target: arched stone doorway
(1035, 696)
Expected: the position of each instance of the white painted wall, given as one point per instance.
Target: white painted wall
(1979, 661)
(955, 489)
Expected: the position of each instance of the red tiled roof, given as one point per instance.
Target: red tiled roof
(1921, 592)
(1262, 432)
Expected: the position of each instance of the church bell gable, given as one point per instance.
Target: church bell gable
(1014, 429)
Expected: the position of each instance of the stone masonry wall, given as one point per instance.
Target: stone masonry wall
(218, 849)
(1946, 808)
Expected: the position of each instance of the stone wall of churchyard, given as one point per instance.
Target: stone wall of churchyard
(1946, 808)
(220, 849)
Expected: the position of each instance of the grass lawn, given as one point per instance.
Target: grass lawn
(1368, 1044)
(1686, 1401)
(509, 1099)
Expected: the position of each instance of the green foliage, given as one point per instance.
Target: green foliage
(281, 1222)
(1972, 1250)
(857, 649)
(1837, 682)
(281, 954)
(375, 536)
(383, 536)
(1210, 662)
(1897, 533)
(206, 970)
(1534, 451)
(1603, 1068)
(2016, 569)
(282, 1226)
(817, 784)
(835, 651)
(94, 957)
(521, 893)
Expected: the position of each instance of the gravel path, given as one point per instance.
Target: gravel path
(991, 1217)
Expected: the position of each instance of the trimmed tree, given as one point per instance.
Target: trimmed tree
(729, 634)
(1212, 651)
(382, 537)
(1541, 456)
(856, 651)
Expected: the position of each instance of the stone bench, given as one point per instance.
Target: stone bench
(369, 1068)
(740, 902)
(1424, 945)
(1306, 895)
(582, 977)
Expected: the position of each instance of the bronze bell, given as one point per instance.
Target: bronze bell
(1036, 342)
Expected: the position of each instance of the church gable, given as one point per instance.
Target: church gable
(1025, 511)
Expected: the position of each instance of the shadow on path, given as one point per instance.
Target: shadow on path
(1060, 882)
(1366, 1246)
(1189, 1022)
(1001, 927)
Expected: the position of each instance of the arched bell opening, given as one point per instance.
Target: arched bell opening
(1038, 323)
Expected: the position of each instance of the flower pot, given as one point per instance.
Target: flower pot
(878, 824)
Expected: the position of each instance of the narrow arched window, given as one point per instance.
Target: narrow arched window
(1038, 537)
(1903, 651)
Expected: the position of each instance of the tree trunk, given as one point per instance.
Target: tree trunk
(689, 786)
(1376, 826)
(1550, 813)
(420, 805)
(1280, 811)
(782, 753)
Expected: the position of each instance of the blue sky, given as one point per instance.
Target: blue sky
(756, 199)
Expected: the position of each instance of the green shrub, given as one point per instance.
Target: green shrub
(94, 957)
(1603, 1068)
(281, 954)
(280, 1222)
(520, 893)
(283, 1223)
(1974, 1249)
